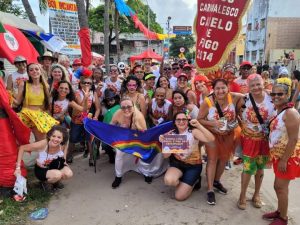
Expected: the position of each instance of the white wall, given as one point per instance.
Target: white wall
(284, 8)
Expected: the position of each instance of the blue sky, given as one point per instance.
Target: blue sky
(177, 9)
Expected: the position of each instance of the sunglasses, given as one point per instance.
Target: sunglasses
(246, 68)
(126, 107)
(76, 64)
(277, 94)
(114, 71)
(87, 83)
(175, 68)
(139, 72)
(181, 120)
(167, 69)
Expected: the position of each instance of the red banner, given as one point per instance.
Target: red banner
(13, 43)
(217, 26)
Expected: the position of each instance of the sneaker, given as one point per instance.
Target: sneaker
(271, 215)
(211, 199)
(228, 165)
(116, 182)
(220, 187)
(58, 185)
(279, 221)
(47, 187)
(148, 179)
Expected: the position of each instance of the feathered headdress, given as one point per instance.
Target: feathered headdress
(220, 75)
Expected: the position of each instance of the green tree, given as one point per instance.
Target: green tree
(186, 41)
(9, 6)
(96, 19)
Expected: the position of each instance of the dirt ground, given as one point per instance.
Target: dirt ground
(89, 199)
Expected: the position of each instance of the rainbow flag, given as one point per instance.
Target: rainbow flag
(142, 144)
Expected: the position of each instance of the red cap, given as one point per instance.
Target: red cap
(77, 61)
(182, 75)
(246, 63)
(200, 77)
(187, 66)
(86, 72)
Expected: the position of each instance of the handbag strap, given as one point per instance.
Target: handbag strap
(258, 116)
(220, 112)
(285, 108)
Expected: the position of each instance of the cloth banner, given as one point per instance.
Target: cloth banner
(14, 43)
(50, 41)
(85, 45)
(13, 133)
(142, 144)
(217, 27)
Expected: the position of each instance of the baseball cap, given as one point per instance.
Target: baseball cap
(246, 63)
(182, 75)
(187, 66)
(77, 61)
(149, 76)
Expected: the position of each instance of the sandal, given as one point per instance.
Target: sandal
(256, 202)
(241, 205)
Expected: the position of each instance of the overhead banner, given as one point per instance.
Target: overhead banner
(217, 26)
(64, 24)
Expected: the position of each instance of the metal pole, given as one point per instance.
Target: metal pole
(106, 35)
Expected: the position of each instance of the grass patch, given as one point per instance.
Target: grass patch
(16, 213)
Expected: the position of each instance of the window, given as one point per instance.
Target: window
(249, 27)
(262, 23)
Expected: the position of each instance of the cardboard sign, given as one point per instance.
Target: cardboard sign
(217, 26)
(175, 143)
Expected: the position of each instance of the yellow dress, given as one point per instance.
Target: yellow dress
(36, 118)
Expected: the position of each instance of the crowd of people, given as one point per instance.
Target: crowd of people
(219, 113)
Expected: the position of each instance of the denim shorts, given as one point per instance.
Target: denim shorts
(190, 173)
(78, 133)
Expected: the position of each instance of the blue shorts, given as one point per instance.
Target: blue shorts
(190, 173)
(78, 133)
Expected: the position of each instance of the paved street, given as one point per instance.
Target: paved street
(89, 199)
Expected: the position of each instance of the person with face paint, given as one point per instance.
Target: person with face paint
(130, 88)
(284, 143)
(256, 112)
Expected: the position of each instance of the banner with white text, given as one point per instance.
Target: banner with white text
(217, 26)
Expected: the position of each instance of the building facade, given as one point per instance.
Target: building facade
(272, 25)
(130, 44)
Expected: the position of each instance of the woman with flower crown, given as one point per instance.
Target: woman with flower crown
(218, 114)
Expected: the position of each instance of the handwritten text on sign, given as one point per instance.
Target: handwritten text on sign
(217, 25)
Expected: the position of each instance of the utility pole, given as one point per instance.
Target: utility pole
(106, 35)
(168, 39)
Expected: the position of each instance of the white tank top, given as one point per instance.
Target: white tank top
(160, 112)
(44, 158)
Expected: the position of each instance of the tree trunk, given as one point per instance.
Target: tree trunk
(87, 7)
(116, 21)
(106, 35)
(82, 16)
(29, 11)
